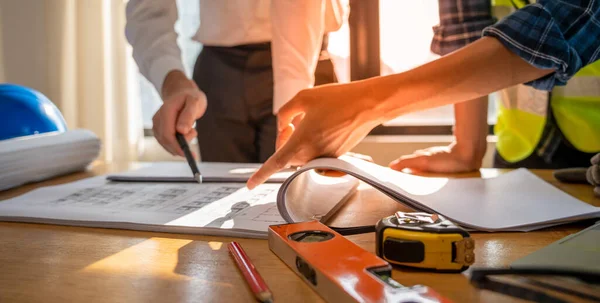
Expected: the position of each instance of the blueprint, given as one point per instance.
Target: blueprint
(218, 208)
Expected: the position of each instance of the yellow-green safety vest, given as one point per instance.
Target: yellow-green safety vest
(522, 112)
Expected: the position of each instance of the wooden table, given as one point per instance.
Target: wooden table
(46, 263)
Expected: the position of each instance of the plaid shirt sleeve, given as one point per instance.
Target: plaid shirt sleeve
(461, 22)
(552, 34)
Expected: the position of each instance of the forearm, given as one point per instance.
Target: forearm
(474, 71)
(471, 129)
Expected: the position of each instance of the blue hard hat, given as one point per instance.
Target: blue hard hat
(25, 111)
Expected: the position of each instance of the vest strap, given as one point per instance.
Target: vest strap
(551, 138)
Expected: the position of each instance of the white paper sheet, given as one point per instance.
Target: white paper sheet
(38, 157)
(514, 201)
(211, 172)
(217, 208)
(228, 209)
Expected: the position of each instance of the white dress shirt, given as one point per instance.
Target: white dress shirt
(295, 29)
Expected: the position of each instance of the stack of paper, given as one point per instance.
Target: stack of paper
(38, 157)
(514, 201)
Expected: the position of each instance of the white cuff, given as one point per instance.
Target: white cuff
(285, 90)
(161, 67)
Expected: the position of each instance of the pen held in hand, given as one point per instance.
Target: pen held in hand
(189, 157)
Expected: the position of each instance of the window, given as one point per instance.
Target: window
(405, 35)
(186, 26)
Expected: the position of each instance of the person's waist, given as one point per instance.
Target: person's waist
(258, 46)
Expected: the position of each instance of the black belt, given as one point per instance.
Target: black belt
(267, 45)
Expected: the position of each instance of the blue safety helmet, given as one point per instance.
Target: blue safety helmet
(25, 111)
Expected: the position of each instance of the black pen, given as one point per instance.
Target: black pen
(188, 155)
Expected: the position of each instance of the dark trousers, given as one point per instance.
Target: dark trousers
(239, 125)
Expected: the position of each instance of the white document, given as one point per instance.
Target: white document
(211, 172)
(514, 201)
(220, 209)
(38, 157)
(228, 209)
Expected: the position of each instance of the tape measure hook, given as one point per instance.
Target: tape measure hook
(416, 217)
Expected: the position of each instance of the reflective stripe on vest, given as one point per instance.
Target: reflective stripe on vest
(521, 119)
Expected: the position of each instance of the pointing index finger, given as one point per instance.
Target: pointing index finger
(278, 161)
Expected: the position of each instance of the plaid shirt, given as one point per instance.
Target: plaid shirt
(561, 35)
(461, 22)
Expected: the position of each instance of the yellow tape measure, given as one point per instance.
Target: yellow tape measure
(424, 240)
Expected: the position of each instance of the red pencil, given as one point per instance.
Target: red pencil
(255, 281)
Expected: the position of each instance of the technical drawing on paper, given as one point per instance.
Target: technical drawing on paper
(271, 215)
(233, 199)
(268, 212)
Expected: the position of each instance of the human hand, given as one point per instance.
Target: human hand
(288, 130)
(454, 158)
(326, 121)
(593, 174)
(284, 132)
(183, 104)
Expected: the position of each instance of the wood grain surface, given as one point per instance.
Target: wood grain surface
(47, 263)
